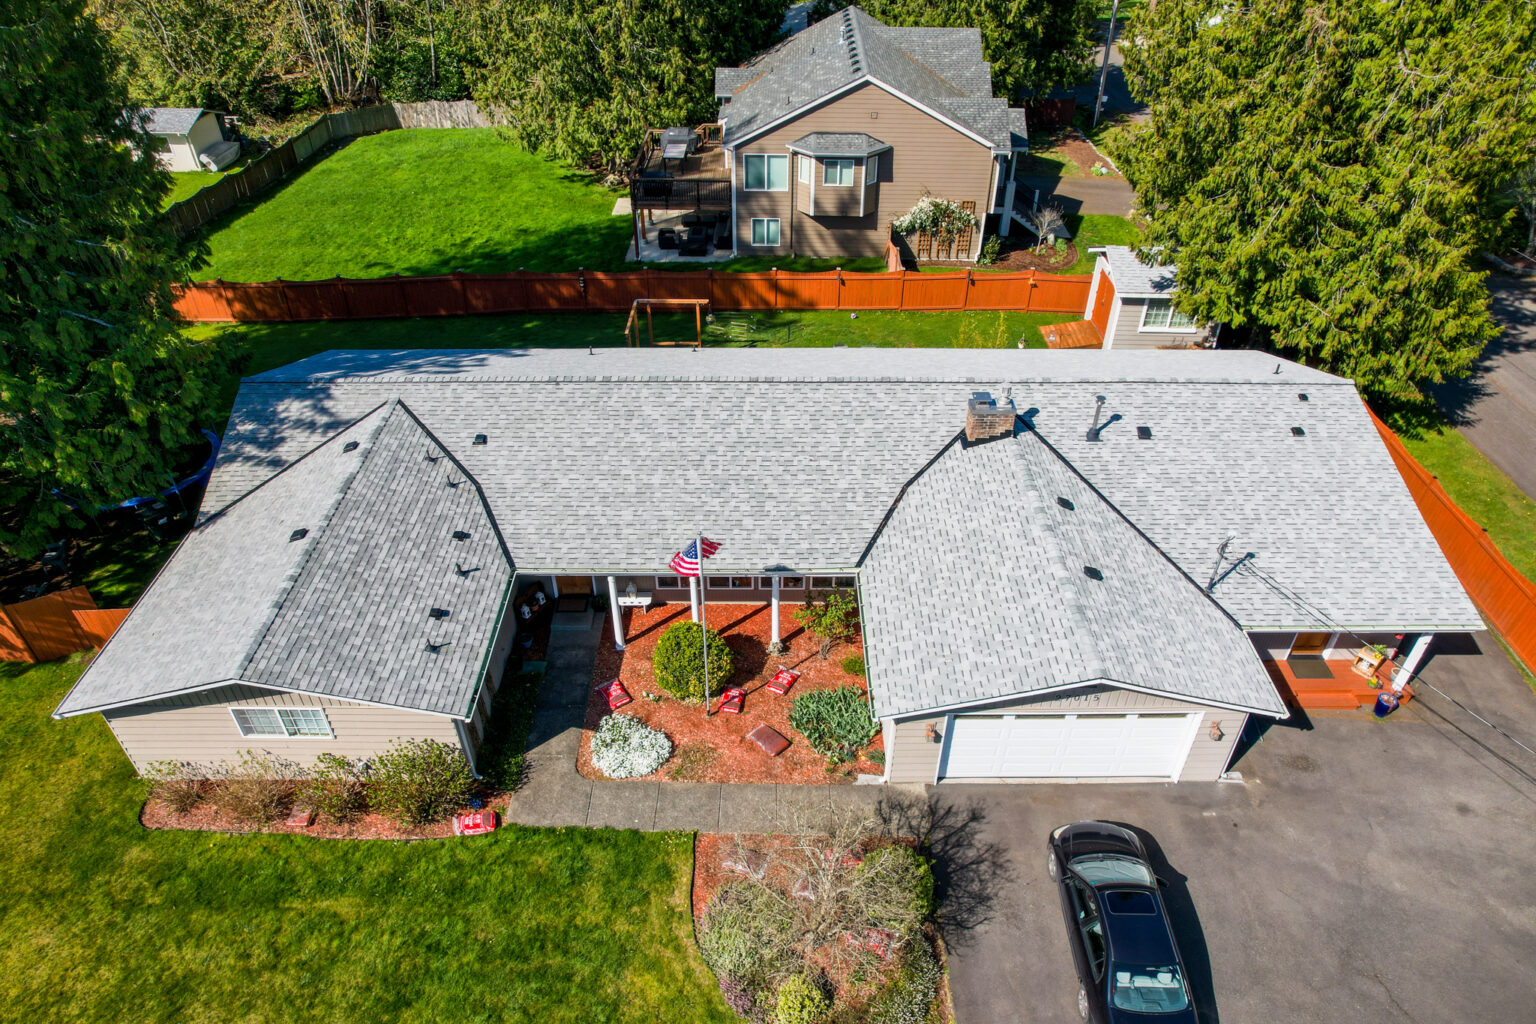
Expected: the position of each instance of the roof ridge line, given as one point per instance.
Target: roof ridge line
(316, 535)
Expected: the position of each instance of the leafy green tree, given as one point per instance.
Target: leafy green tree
(583, 79)
(1322, 170)
(832, 617)
(98, 390)
(1033, 45)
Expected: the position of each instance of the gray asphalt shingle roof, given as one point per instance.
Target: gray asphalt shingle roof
(340, 611)
(977, 589)
(171, 120)
(1135, 278)
(941, 68)
(838, 144)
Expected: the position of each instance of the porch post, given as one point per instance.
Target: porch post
(775, 646)
(693, 597)
(1412, 662)
(618, 615)
(1006, 220)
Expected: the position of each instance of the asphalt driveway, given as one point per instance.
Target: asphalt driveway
(1366, 870)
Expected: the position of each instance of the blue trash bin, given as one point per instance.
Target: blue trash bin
(1386, 703)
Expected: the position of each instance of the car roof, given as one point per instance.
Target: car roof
(1136, 938)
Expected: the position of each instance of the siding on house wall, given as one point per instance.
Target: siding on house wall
(925, 153)
(199, 728)
(913, 758)
(1127, 333)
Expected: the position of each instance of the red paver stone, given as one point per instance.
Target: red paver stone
(770, 739)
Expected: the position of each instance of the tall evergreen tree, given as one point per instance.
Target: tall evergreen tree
(583, 79)
(98, 390)
(1322, 170)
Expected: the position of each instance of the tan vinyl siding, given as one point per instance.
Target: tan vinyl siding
(1127, 334)
(199, 727)
(912, 757)
(925, 153)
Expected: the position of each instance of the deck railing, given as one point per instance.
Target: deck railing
(680, 194)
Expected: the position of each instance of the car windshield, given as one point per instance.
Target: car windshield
(1153, 988)
(1099, 868)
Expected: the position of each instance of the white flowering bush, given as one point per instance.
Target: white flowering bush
(944, 219)
(624, 747)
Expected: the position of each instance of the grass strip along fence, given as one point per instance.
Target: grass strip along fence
(586, 291)
(1505, 597)
(276, 164)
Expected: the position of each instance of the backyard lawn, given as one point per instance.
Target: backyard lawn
(1089, 229)
(186, 184)
(104, 920)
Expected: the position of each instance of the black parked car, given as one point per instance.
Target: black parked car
(1127, 961)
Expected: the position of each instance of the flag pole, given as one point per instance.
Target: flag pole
(703, 618)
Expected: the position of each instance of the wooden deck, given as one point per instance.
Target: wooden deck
(1343, 688)
(1078, 334)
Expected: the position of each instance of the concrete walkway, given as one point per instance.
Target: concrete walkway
(554, 793)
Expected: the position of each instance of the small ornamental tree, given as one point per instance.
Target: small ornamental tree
(832, 617)
(678, 661)
(944, 219)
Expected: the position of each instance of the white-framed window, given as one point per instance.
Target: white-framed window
(293, 723)
(767, 173)
(837, 172)
(872, 170)
(732, 583)
(765, 231)
(785, 583)
(803, 169)
(671, 583)
(1159, 315)
(831, 582)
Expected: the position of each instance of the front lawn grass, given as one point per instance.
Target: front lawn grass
(422, 201)
(104, 920)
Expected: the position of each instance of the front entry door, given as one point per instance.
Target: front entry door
(573, 584)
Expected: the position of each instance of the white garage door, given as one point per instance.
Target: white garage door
(1146, 745)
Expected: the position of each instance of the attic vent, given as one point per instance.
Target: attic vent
(1303, 397)
(438, 613)
(1144, 433)
(1093, 573)
(460, 535)
(1066, 503)
(1298, 432)
(479, 439)
(298, 534)
(350, 446)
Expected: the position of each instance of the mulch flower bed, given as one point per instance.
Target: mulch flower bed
(208, 816)
(716, 749)
(1018, 254)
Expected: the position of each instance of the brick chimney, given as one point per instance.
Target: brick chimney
(987, 419)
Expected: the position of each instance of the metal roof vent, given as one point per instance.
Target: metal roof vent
(1066, 503)
(479, 439)
(438, 613)
(1093, 573)
(350, 446)
(1298, 432)
(1098, 409)
(461, 535)
(1144, 433)
(433, 648)
(298, 534)
(1303, 397)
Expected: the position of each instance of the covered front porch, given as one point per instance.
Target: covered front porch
(1333, 671)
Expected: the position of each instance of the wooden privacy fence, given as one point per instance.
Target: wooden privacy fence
(45, 628)
(1506, 598)
(586, 291)
(272, 166)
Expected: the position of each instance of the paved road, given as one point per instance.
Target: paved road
(1079, 195)
(1117, 94)
(1372, 871)
(1496, 408)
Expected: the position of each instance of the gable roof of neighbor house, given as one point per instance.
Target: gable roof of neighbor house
(983, 544)
(341, 610)
(608, 460)
(940, 68)
(1135, 279)
(171, 120)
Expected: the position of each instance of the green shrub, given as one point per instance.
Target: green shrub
(417, 781)
(748, 934)
(337, 788)
(678, 661)
(832, 617)
(876, 757)
(991, 249)
(258, 789)
(625, 747)
(800, 1002)
(912, 876)
(854, 664)
(835, 723)
(909, 996)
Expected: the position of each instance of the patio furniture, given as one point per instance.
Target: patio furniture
(782, 680)
(770, 739)
(732, 699)
(613, 691)
(695, 244)
(666, 238)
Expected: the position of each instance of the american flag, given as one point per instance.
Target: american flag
(686, 561)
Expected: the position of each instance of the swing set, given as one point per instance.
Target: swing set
(700, 309)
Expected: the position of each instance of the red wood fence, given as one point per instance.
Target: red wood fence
(44, 628)
(1506, 598)
(588, 291)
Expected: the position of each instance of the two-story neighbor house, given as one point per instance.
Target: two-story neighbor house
(1070, 565)
(829, 136)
